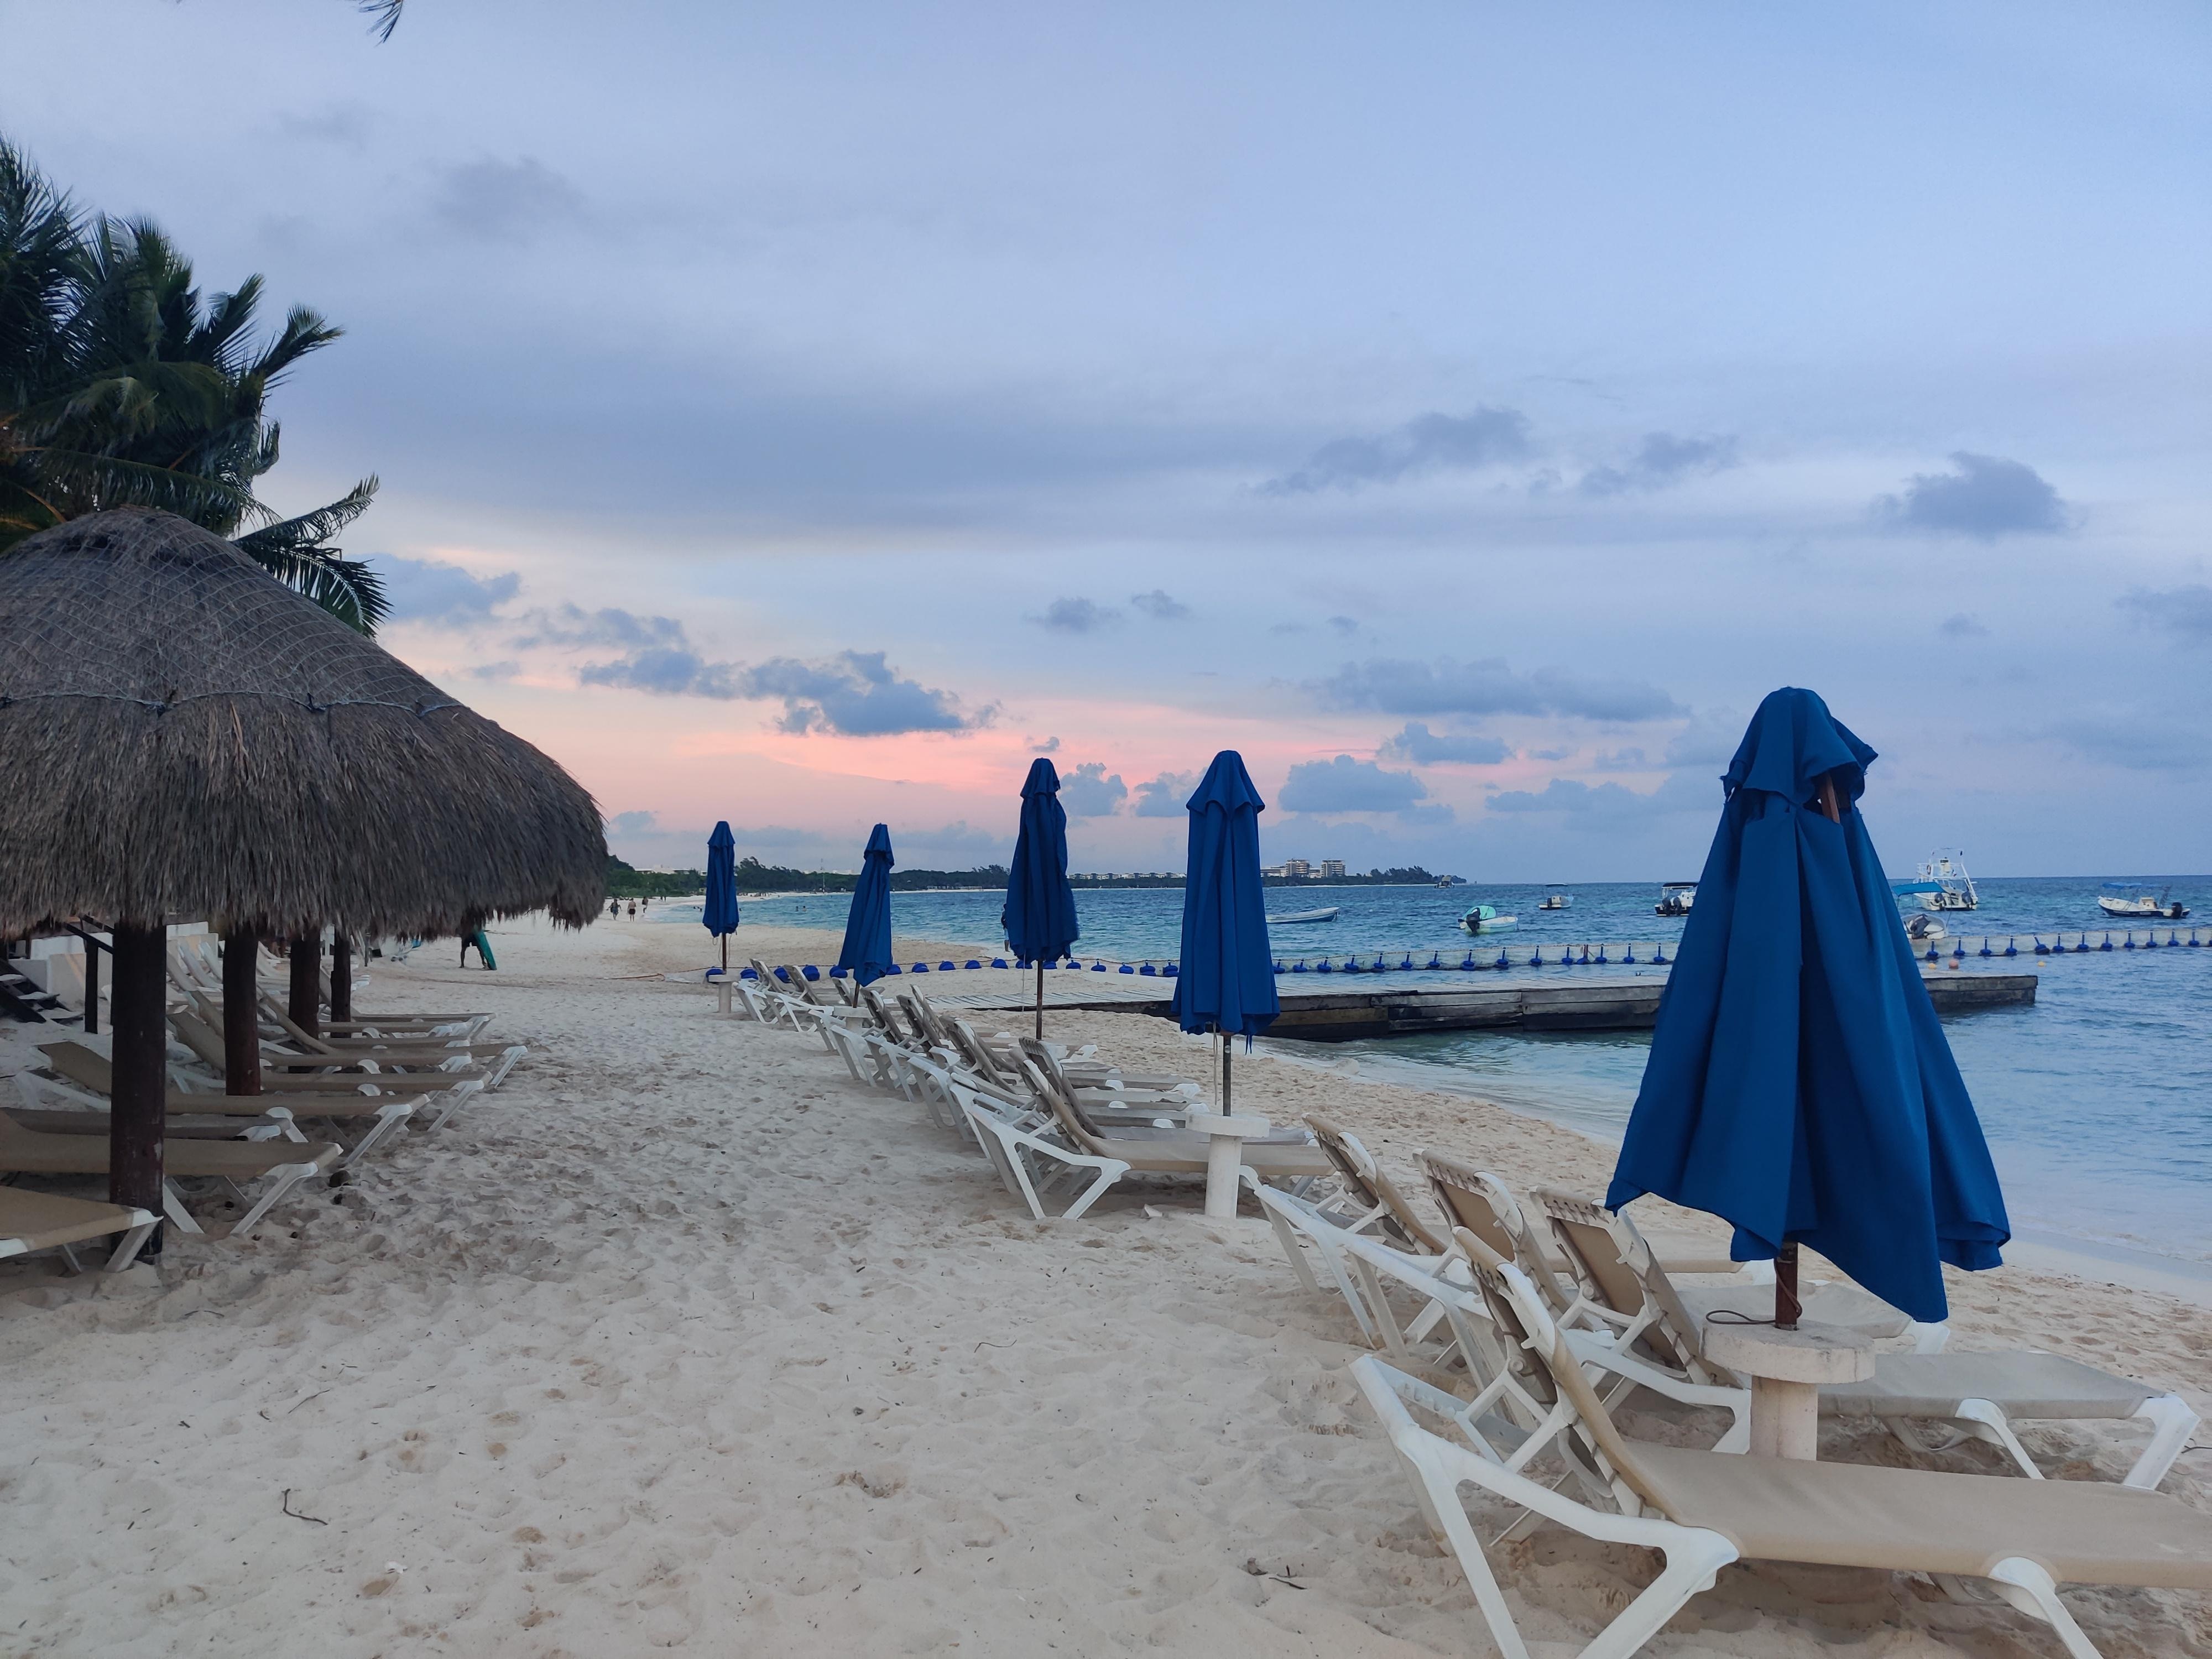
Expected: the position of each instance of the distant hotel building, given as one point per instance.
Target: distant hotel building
(1300, 870)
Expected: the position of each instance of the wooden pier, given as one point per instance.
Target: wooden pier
(1582, 1004)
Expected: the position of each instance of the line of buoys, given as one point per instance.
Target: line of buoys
(1592, 955)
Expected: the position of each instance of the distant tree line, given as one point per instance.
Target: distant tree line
(753, 876)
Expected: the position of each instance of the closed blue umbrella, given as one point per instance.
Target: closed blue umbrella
(1040, 919)
(1800, 1085)
(867, 952)
(719, 913)
(1226, 979)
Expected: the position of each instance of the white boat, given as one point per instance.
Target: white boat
(1484, 919)
(1675, 898)
(1924, 928)
(1327, 914)
(2135, 898)
(1558, 899)
(1944, 883)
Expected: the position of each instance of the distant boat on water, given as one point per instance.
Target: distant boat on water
(1484, 919)
(1327, 912)
(1924, 928)
(1943, 884)
(1675, 898)
(2135, 898)
(1558, 899)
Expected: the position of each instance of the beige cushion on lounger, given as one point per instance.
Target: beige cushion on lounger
(26, 1152)
(315, 1096)
(2018, 1384)
(1860, 1515)
(38, 1221)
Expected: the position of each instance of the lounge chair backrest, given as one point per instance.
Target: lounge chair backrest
(1483, 1204)
(196, 1035)
(85, 1067)
(880, 1011)
(1071, 1121)
(1363, 1177)
(1614, 1266)
(1048, 1062)
(1594, 1425)
(920, 1016)
(800, 988)
(846, 988)
(980, 1060)
(1514, 1341)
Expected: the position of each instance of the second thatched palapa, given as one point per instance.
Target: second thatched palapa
(182, 738)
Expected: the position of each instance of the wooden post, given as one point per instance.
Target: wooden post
(306, 996)
(91, 987)
(136, 1116)
(341, 976)
(241, 1013)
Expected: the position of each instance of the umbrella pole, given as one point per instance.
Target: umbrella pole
(1787, 1307)
(1228, 1049)
(1040, 999)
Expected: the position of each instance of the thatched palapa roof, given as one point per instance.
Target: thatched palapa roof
(182, 737)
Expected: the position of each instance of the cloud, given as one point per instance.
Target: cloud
(1344, 625)
(1077, 616)
(1163, 797)
(1416, 744)
(1488, 686)
(505, 200)
(856, 693)
(1550, 754)
(2139, 740)
(572, 626)
(443, 595)
(505, 669)
(666, 671)
(2184, 611)
(1159, 606)
(1959, 626)
(1345, 785)
(1710, 739)
(633, 823)
(1433, 443)
(1044, 745)
(1288, 627)
(1988, 497)
(350, 125)
(1608, 805)
(1089, 792)
(1620, 760)
(1662, 460)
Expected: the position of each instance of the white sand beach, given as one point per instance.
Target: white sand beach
(683, 1340)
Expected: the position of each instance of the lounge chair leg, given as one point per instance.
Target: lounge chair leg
(1928, 1338)
(1110, 1171)
(282, 1180)
(173, 1207)
(507, 1060)
(388, 1118)
(127, 1251)
(1691, 1568)
(2033, 1591)
(69, 1254)
(1985, 1421)
(1442, 1509)
(2172, 1423)
(1289, 1241)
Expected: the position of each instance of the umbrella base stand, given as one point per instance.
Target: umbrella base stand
(1786, 1368)
(722, 996)
(1224, 1157)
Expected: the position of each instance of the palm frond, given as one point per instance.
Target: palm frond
(386, 13)
(297, 551)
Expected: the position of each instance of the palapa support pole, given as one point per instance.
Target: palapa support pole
(241, 1013)
(138, 1095)
(306, 1001)
(91, 986)
(341, 976)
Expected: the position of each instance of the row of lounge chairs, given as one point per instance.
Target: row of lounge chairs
(1056, 1126)
(357, 1083)
(1510, 1346)
(1510, 1334)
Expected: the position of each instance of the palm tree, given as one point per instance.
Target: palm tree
(118, 386)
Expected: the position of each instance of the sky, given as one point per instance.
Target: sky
(805, 417)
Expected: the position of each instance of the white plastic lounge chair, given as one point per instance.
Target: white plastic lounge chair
(47, 1221)
(1031, 1164)
(282, 1164)
(1702, 1509)
(387, 1053)
(1929, 1401)
(1171, 1152)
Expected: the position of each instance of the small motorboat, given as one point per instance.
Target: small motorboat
(1924, 928)
(1327, 912)
(2135, 898)
(1943, 884)
(1675, 898)
(1557, 899)
(1484, 919)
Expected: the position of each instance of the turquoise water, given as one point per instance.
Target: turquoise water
(2097, 1101)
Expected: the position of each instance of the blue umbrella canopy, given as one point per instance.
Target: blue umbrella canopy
(1800, 1085)
(719, 913)
(1040, 907)
(867, 952)
(1226, 981)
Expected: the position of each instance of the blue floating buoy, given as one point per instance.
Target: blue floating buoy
(1147, 970)
(1585, 956)
(1300, 967)
(1503, 963)
(1168, 972)
(1097, 967)
(1985, 950)
(998, 962)
(1658, 956)
(1959, 951)
(1931, 953)
(2081, 946)
(2107, 944)
(2192, 936)
(1128, 969)
(1324, 968)
(920, 967)
(1630, 957)
(2011, 950)
(1536, 958)
(812, 971)
(2130, 943)
(944, 967)
(836, 973)
(895, 968)
(2041, 949)
(1600, 953)
(972, 963)
(1435, 961)
(747, 973)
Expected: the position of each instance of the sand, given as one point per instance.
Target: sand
(683, 1340)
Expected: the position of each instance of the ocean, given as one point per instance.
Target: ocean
(2097, 1101)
